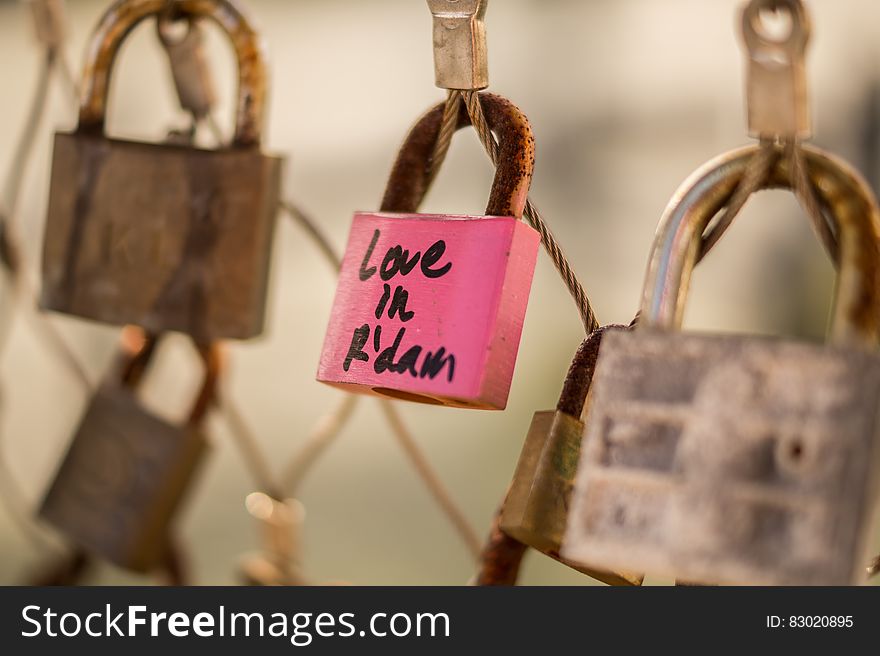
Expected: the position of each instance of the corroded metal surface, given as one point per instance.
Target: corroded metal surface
(164, 237)
(737, 459)
(121, 481)
(537, 505)
(729, 460)
(127, 471)
(410, 176)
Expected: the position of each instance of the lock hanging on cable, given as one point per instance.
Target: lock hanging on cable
(167, 237)
(430, 308)
(127, 471)
(536, 508)
(737, 459)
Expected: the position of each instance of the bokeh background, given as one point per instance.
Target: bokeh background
(626, 98)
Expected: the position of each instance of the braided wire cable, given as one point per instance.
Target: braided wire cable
(755, 175)
(535, 219)
(14, 263)
(431, 479)
(754, 179)
(322, 436)
(806, 194)
(444, 137)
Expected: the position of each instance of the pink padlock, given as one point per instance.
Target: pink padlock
(430, 308)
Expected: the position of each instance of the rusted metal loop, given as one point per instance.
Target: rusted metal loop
(851, 205)
(410, 176)
(580, 374)
(501, 557)
(124, 15)
(136, 352)
(761, 46)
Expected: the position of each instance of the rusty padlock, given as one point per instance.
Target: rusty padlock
(734, 459)
(168, 237)
(430, 308)
(277, 563)
(536, 508)
(126, 471)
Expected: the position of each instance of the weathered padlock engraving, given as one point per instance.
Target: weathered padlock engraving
(122, 480)
(414, 303)
(711, 460)
(196, 262)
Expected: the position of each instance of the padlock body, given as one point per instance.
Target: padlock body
(430, 308)
(170, 238)
(727, 459)
(536, 509)
(122, 480)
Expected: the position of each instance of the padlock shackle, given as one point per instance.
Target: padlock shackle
(580, 374)
(124, 15)
(840, 189)
(136, 352)
(410, 176)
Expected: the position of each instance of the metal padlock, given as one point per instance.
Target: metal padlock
(735, 459)
(126, 471)
(171, 238)
(277, 563)
(536, 508)
(430, 308)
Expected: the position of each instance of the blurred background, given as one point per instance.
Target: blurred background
(626, 98)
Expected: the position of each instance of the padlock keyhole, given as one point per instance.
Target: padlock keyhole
(407, 396)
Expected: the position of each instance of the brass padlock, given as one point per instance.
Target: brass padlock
(536, 508)
(126, 471)
(167, 237)
(733, 459)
